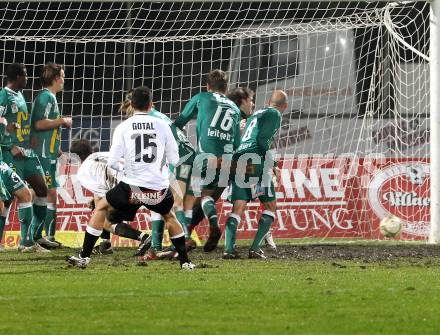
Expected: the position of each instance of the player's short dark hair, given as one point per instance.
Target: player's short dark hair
(237, 95)
(14, 71)
(218, 80)
(141, 97)
(49, 73)
(82, 148)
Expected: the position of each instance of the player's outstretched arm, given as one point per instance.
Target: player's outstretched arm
(189, 112)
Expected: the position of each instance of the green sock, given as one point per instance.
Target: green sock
(157, 227)
(50, 221)
(231, 231)
(2, 226)
(180, 214)
(263, 228)
(25, 214)
(208, 206)
(39, 208)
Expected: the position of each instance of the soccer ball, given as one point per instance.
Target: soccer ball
(390, 226)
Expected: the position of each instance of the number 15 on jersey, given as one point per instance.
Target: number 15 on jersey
(145, 147)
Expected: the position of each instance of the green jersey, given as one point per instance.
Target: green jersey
(13, 107)
(47, 141)
(4, 195)
(260, 129)
(218, 123)
(179, 136)
(2, 135)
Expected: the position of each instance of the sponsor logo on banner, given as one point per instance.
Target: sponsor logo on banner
(314, 200)
(402, 189)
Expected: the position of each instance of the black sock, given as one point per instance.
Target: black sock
(198, 215)
(179, 244)
(125, 230)
(88, 244)
(105, 235)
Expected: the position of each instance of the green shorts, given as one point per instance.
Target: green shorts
(10, 179)
(50, 172)
(24, 167)
(208, 173)
(183, 170)
(264, 194)
(252, 185)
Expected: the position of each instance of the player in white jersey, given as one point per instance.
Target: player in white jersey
(178, 180)
(96, 176)
(148, 147)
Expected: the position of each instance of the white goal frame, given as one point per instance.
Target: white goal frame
(434, 84)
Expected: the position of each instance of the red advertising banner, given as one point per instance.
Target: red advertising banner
(342, 197)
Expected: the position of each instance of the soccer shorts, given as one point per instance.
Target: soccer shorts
(248, 184)
(253, 191)
(127, 199)
(183, 170)
(10, 179)
(50, 172)
(24, 167)
(209, 172)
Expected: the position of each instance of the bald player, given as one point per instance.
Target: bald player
(253, 178)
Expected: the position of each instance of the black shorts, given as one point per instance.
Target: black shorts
(127, 199)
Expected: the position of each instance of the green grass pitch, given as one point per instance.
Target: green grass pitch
(39, 294)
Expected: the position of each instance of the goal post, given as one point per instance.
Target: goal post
(434, 81)
(358, 141)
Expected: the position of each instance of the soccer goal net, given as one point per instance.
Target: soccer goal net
(354, 143)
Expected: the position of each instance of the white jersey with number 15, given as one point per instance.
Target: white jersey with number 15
(147, 145)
